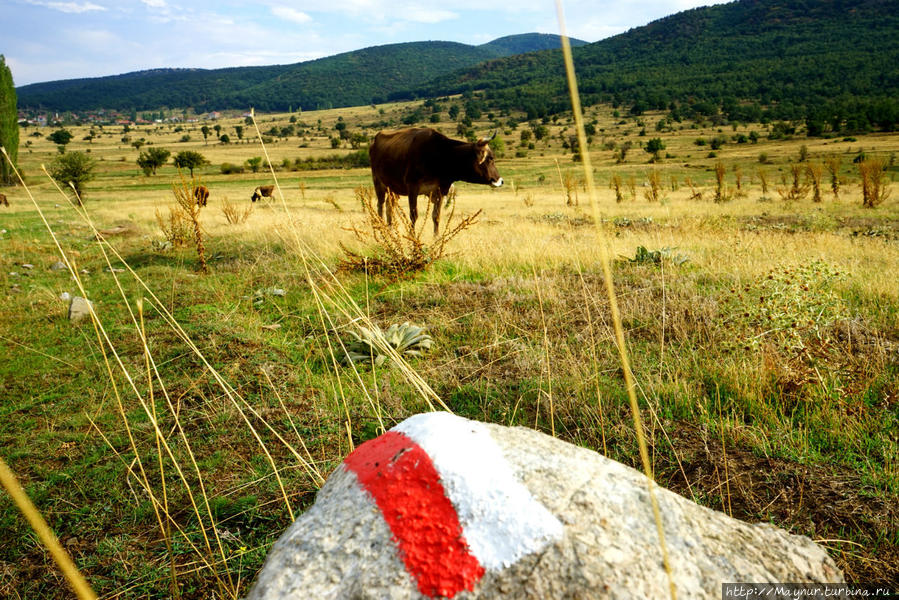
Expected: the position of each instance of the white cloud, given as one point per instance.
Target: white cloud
(290, 14)
(155, 3)
(420, 14)
(69, 7)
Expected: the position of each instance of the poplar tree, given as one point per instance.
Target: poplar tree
(9, 123)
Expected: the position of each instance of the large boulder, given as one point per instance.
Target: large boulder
(441, 506)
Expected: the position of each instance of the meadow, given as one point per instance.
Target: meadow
(169, 443)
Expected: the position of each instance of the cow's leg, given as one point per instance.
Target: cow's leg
(437, 201)
(413, 207)
(381, 193)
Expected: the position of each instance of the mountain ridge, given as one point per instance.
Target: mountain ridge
(368, 75)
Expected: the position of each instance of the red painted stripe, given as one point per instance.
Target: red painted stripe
(402, 479)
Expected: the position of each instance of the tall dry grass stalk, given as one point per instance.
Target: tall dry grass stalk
(875, 184)
(613, 302)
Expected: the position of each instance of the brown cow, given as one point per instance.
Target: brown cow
(3, 200)
(263, 191)
(417, 161)
(201, 195)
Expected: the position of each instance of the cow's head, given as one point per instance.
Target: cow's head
(255, 196)
(485, 167)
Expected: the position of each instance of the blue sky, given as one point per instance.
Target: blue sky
(45, 40)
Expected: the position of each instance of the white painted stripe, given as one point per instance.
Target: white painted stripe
(501, 520)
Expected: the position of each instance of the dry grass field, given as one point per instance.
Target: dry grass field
(170, 443)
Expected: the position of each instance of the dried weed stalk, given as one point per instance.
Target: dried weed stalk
(616, 184)
(833, 168)
(184, 192)
(176, 227)
(695, 194)
(796, 188)
(233, 213)
(814, 172)
(722, 194)
(653, 193)
(875, 186)
(397, 250)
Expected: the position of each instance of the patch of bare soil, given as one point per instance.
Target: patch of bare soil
(821, 502)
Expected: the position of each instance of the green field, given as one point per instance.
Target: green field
(763, 334)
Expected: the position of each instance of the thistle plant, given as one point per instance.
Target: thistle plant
(371, 344)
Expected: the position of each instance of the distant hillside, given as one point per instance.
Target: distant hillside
(363, 76)
(528, 42)
(830, 62)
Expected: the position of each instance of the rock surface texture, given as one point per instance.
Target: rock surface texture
(79, 308)
(441, 506)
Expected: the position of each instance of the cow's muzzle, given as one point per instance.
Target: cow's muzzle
(497, 182)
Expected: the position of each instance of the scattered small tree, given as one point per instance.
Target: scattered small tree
(254, 163)
(238, 129)
(205, 131)
(190, 160)
(654, 146)
(73, 169)
(621, 154)
(61, 137)
(152, 159)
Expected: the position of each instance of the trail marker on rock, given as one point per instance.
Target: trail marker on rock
(444, 507)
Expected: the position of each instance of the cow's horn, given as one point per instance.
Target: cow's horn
(492, 136)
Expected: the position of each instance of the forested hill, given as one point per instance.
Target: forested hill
(373, 74)
(826, 61)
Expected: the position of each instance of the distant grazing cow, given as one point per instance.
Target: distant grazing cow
(417, 161)
(3, 200)
(263, 191)
(201, 195)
